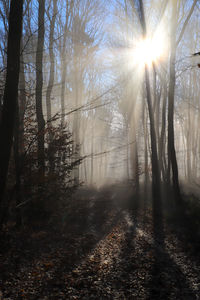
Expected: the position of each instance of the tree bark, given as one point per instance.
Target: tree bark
(17, 159)
(172, 161)
(11, 90)
(156, 193)
(154, 154)
(52, 63)
(39, 85)
(162, 139)
(63, 58)
(19, 139)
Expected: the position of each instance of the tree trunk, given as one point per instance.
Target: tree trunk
(52, 62)
(39, 85)
(19, 139)
(162, 139)
(11, 90)
(92, 155)
(172, 162)
(63, 58)
(146, 160)
(154, 154)
(127, 151)
(135, 162)
(22, 105)
(50, 85)
(17, 158)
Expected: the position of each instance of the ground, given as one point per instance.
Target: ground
(110, 247)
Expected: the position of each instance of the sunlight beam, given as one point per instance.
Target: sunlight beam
(149, 50)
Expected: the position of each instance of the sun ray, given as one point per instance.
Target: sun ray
(149, 50)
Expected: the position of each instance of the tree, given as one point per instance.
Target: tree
(154, 153)
(11, 90)
(38, 92)
(52, 61)
(68, 18)
(172, 161)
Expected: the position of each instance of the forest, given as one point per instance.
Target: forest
(100, 149)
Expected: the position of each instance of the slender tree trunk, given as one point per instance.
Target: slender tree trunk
(172, 162)
(156, 111)
(39, 85)
(17, 158)
(189, 144)
(10, 91)
(127, 151)
(92, 154)
(52, 62)
(135, 163)
(69, 8)
(22, 105)
(78, 100)
(154, 154)
(162, 138)
(146, 160)
(50, 85)
(19, 139)
(63, 92)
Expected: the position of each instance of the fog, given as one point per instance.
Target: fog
(108, 93)
(100, 144)
(103, 99)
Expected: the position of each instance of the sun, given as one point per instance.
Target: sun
(148, 50)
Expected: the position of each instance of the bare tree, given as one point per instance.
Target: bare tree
(52, 61)
(39, 85)
(172, 161)
(154, 153)
(68, 18)
(11, 89)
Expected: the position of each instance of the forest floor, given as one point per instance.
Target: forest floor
(105, 250)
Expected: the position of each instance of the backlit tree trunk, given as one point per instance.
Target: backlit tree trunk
(52, 62)
(11, 90)
(39, 85)
(154, 154)
(172, 161)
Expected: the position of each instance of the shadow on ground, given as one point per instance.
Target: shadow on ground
(111, 246)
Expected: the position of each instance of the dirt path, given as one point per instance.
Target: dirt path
(106, 251)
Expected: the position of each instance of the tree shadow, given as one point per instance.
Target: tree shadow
(121, 283)
(68, 247)
(168, 280)
(184, 221)
(143, 269)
